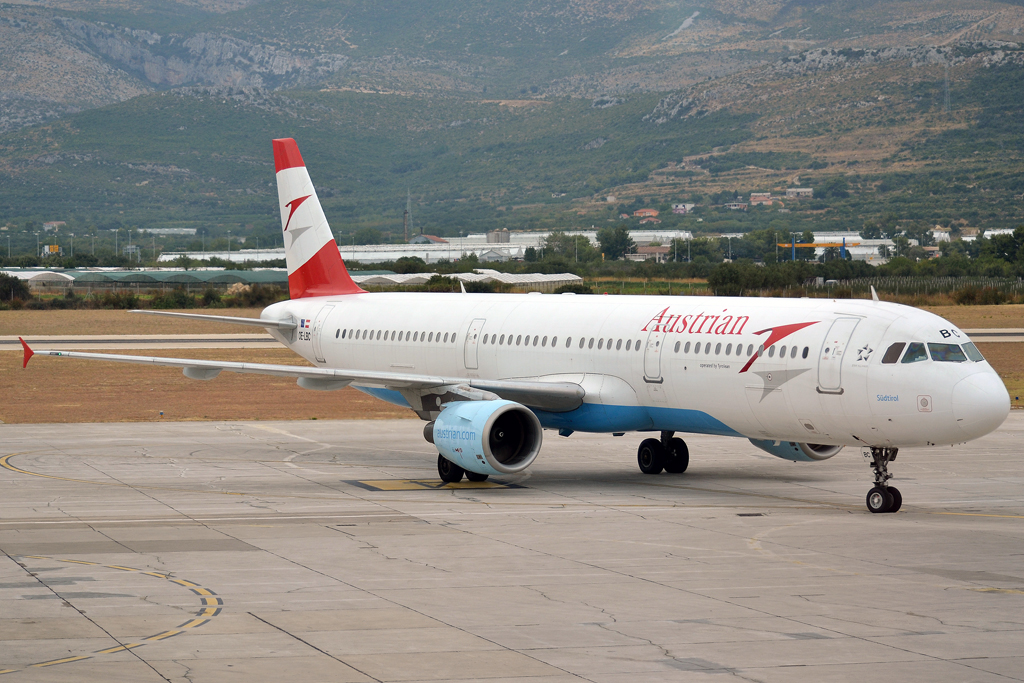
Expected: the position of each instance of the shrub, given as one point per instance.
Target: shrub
(13, 288)
(575, 288)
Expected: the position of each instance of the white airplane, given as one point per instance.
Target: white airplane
(799, 378)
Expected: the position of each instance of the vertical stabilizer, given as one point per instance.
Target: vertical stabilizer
(315, 267)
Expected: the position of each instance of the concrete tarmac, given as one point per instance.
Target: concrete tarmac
(328, 551)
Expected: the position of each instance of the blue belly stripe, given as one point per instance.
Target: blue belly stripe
(388, 395)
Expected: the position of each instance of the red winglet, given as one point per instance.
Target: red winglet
(286, 154)
(28, 353)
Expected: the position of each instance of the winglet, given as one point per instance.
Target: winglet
(28, 353)
(874, 294)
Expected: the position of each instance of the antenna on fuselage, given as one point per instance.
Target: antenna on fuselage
(874, 294)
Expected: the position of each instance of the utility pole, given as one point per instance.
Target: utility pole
(37, 244)
(229, 245)
(72, 245)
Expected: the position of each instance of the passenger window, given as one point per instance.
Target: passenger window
(771, 351)
(892, 354)
(728, 350)
(554, 340)
(600, 344)
(792, 353)
(915, 352)
(415, 336)
(946, 353)
(782, 352)
(750, 350)
(445, 337)
(337, 334)
(583, 340)
(519, 339)
(739, 349)
(807, 349)
(453, 337)
(972, 352)
(591, 344)
(544, 341)
(485, 339)
(686, 349)
(637, 345)
(568, 342)
(629, 344)
(535, 338)
(718, 348)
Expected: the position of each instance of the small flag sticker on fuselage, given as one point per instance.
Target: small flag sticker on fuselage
(302, 322)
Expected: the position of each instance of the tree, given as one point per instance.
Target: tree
(571, 247)
(12, 287)
(615, 242)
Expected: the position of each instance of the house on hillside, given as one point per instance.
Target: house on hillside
(645, 213)
(682, 209)
(53, 225)
(737, 206)
(799, 192)
(649, 220)
(762, 198)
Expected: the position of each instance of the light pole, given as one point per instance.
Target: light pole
(229, 245)
(72, 245)
(37, 244)
(8, 246)
(94, 244)
(116, 232)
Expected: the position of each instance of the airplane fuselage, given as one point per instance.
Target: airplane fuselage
(807, 370)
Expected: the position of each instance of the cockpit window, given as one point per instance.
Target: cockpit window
(947, 353)
(972, 352)
(892, 354)
(915, 352)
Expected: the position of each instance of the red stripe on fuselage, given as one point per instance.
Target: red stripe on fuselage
(286, 155)
(324, 274)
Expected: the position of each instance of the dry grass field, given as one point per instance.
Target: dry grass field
(24, 323)
(981, 317)
(68, 390)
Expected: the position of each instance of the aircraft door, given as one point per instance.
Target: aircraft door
(473, 343)
(830, 360)
(652, 357)
(318, 326)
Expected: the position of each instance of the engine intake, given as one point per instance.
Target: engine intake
(799, 452)
(487, 437)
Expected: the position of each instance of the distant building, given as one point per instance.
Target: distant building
(657, 254)
(492, 255)
(649, 220)
(682, 209)
(611, 198)
(51, 250)
(940, 234)
(623, 215)
(132, 251)
(169, 231)
(799, 192)
(498, 236)
(427, 239)
(762, 198)
(53, 225)
(737, 206)
(645, 213)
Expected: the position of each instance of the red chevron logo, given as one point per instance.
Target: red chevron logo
(294, 204)
(777, 334)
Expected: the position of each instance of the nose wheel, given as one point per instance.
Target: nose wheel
(882, 497)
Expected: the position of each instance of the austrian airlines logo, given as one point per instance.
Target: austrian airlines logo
(294, 204)
(778, 333)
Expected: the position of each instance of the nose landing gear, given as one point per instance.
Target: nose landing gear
(882, 497)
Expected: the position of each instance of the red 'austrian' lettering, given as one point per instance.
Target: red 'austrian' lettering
(696, 324)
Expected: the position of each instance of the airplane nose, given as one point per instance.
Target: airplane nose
(980, 404)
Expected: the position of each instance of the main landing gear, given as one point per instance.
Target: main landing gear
(669, 454)
(451, 473)
(882, 497)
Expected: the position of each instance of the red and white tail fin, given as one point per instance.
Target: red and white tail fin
(314, 263)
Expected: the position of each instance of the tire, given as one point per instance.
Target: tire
(897, 499)
(473, 476)
(677, 459)
(449, 472)
(879, 500)
(651, 456)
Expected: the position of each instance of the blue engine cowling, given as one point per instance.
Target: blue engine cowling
(487, 437)
(799, 452)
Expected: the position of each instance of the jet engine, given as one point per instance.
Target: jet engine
(799, 452)
(486, 437)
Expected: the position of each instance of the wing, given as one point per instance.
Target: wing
(550, 396)
(233, 319)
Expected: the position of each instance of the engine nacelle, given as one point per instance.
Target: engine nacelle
(487, 437)
(799, 452)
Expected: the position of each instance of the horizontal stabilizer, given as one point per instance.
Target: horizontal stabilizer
(232, 319)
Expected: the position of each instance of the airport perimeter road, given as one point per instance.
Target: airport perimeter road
(326, 551)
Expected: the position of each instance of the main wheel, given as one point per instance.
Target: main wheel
(473, 476)
(677, 459)
(879, 500)
(651, 456)
(449, 471)
(897, 499)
